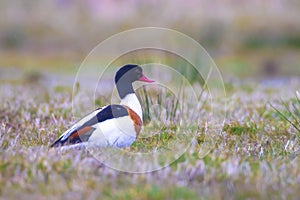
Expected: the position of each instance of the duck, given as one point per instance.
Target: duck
(115, 125)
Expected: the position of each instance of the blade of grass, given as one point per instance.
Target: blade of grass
(287, 107)
(296, 113)
(146, 115)
(285, 118)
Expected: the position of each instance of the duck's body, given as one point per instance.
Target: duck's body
(112, 125)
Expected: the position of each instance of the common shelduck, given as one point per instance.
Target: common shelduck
(112, 125)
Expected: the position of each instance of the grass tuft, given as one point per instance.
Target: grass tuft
(291, 112)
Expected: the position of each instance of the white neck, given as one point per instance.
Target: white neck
(132, 102)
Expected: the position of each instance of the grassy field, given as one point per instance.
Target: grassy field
(253, 156)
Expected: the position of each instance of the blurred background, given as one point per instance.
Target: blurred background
(246, 38)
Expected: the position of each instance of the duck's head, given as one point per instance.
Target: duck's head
(129, 74)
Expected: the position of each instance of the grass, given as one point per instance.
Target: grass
(254, 156)
(291, 112)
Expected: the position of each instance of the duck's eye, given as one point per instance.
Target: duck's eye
(138, 72)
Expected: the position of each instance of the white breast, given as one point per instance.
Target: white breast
(132, 102)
